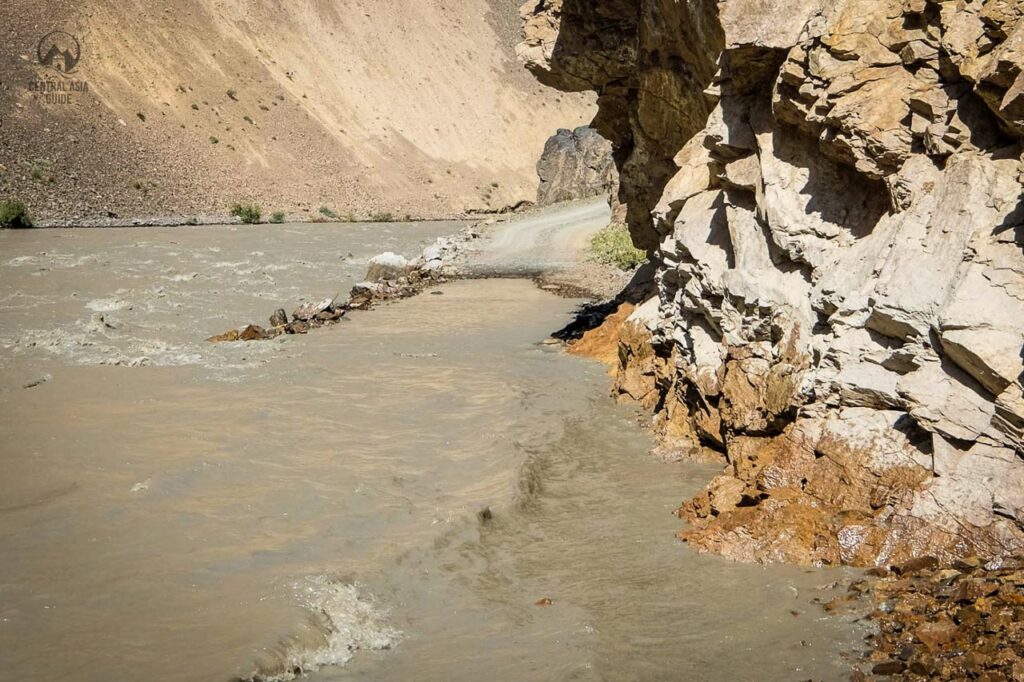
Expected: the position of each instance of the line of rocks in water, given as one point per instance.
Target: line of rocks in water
(389, 277)
(960, 622)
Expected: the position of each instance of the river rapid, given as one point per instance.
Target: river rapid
(385, 499)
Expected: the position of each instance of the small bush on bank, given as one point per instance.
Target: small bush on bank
(328, 213)
(277, 217)
(614, 246)
(14, 215)
(249, 214)
(382, 218)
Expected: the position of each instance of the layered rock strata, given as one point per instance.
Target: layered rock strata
(831, 192)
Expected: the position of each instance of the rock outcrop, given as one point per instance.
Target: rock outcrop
(576, 164)
(831, 192)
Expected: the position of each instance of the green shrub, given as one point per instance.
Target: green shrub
(328, 213)
(277, 217)
(614, 246)
(213, 140)
(382, 218)
(14, 215)
(38, 171)
(249, 214)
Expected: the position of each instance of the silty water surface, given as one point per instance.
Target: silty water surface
(383, 499)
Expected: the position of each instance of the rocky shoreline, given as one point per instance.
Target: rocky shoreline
(832, 201)
(391, 277)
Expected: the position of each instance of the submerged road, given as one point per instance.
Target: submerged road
(548, 241)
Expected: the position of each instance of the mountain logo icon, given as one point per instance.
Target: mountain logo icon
(59, 51)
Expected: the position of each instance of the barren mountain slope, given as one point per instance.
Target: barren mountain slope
(401, 106)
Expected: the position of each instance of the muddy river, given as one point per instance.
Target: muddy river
(386, 499)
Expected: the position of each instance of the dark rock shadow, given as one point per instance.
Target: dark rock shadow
(592, 315)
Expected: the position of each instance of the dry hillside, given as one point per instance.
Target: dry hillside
(364, 106)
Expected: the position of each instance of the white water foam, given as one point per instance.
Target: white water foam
(107, 305)
(342, 622)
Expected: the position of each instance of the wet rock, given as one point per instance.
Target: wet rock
(253, 333)
(279, 318)
(308, 311)
(916, 565)
(98, 322)
(975, 634)
(889, 668)
(386, 266)
(330, 315)
(37, 381)
(226, 337)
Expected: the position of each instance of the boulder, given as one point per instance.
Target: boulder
(575, 164)
(279, 318)
(386, 266)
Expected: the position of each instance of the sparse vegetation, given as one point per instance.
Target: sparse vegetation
(328, 213)
(144, 186)
(233, 95)
(195, 107)
(192, 221)
(142, 116)
(383, 217)
(248, 213)
(39, 170)
(277, 217)
(494, 185)
(214, 140)
(614, 246)
(248, 119)
(14, 215)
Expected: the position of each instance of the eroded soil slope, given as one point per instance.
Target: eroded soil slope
(363, 106)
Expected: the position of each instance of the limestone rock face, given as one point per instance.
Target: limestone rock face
(831, 191)
(576, 164)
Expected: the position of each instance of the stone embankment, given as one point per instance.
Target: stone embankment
(389, 277)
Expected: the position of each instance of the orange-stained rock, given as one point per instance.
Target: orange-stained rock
(602, 343)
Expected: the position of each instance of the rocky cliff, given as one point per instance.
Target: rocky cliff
(831, 192)
(186, 106)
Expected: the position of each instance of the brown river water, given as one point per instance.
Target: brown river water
(386, 499)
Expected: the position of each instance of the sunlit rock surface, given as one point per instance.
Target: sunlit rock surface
(831, 192)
